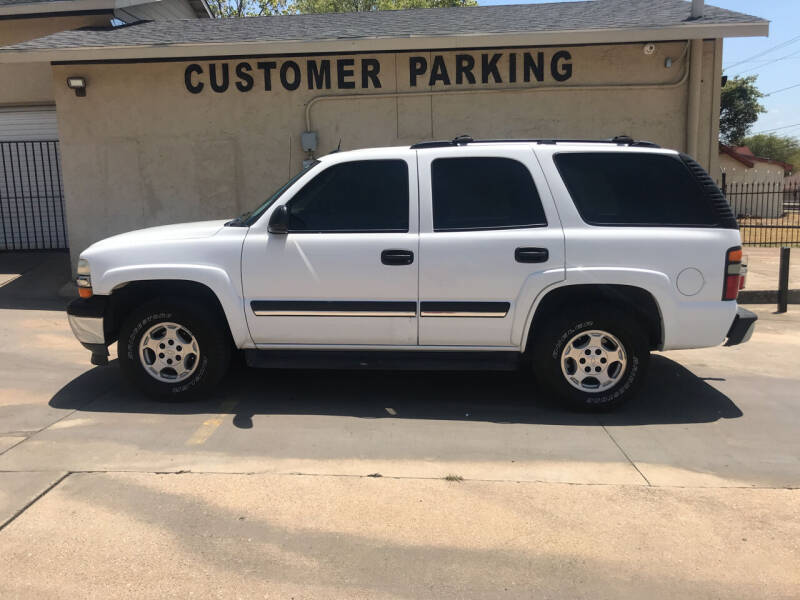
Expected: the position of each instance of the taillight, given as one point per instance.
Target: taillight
(733, 273)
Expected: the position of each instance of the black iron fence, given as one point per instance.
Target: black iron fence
(768, 213)
(31, 196)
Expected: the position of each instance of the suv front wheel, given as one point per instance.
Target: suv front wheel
(173, 350)
(593, 358)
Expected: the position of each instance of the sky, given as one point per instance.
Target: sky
(783, 108)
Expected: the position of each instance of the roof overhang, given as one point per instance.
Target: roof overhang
(62, 6)
(34, 9)
(383, 44)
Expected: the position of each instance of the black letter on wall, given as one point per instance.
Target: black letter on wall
(489, 67)
(215, 85)
(417, 65)
(566, 71)
(464, 65)
(370, 67)
(295, 83)
(512, 67)
(243, 72)
(319, 77)
(535, 66)
(267, 68)
(195, 88)
(342, 72)
(439, 71)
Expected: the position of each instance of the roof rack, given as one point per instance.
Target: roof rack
(463, 140)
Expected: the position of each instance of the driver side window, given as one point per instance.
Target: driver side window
(357, 196)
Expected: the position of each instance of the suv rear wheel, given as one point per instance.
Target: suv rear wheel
(172, 350)
(593, 358)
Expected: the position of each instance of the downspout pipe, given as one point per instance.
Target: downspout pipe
(695, 81)
(693, 103)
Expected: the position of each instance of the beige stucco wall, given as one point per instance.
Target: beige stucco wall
(32, 83)
(141, 150)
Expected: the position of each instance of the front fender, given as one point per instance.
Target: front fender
(227, 291)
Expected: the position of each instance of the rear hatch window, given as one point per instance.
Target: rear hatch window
(642, 189)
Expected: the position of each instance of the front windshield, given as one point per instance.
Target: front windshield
(252, 216)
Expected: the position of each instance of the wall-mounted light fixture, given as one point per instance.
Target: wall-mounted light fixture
(78, 84)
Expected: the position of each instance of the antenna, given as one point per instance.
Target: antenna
(338, 147)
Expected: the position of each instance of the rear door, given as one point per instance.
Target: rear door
(490, 242)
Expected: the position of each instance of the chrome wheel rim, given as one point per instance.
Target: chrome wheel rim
(593, 361)
(169, 352)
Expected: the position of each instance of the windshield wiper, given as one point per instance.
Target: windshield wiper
(238, 221)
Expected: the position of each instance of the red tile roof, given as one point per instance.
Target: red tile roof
(745, 156)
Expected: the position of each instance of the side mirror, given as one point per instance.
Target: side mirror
(279, 220)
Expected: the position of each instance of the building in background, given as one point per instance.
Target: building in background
(738, 164)
(755, 184)
(199, 119)
(31, 198)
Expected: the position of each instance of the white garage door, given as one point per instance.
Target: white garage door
(31, 192)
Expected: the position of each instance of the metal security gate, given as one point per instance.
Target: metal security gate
(31, 196)
(768, 213)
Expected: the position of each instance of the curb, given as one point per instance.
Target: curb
(765, 297)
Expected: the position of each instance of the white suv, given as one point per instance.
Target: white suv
(574, 258)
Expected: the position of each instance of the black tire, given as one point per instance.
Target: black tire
(549, 340)
(213, 340)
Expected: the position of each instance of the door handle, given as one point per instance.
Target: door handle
(397, 257)
(531, 255)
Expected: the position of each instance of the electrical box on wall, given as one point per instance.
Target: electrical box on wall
(308, 140)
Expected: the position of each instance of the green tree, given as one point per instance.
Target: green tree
(739, 108)
(777, 147)
(324, 6)
(249, 8)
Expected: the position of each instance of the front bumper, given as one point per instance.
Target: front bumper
(86, 319)
(744, 323)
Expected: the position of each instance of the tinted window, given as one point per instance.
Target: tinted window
(634, 189)
(484, 193)
(367, 195)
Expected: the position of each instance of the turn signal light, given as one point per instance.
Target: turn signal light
(733, 273)
(85, 292)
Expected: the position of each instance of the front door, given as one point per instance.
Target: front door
(346, 273)
(490, 242)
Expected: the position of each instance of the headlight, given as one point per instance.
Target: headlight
(83, 267)
(84, 280)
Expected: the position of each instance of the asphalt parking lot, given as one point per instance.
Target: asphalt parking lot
(304, 484)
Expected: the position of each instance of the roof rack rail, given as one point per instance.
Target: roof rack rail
(463, 140)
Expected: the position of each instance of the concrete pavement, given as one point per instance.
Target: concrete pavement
(764, 265)
(268, 489)
(123, 535)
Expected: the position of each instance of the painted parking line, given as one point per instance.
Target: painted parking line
(209, 426)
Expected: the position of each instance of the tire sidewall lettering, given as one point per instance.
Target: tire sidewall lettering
(567, 335)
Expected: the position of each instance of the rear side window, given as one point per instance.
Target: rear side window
(484, 193)
(634, 189)
(364, 195)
